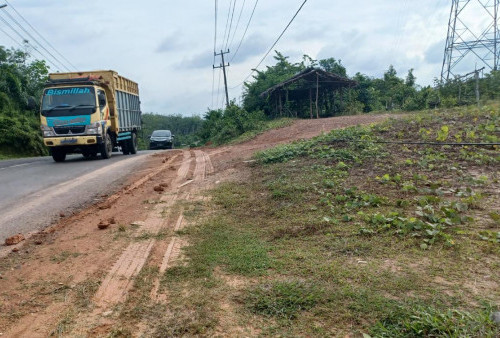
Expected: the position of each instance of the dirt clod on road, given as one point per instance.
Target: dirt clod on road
(13, 240)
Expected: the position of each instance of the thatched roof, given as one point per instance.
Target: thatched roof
(313, 75)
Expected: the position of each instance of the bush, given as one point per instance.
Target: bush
(21, 135)
(223, 126)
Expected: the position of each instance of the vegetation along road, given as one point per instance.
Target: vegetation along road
(314, 228)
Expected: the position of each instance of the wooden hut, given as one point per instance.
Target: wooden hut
(311, 82)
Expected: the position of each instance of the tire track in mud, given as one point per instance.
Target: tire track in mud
(202, 169)
(194, 169)
(119, 280)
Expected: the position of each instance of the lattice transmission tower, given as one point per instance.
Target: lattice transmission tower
(473, 37)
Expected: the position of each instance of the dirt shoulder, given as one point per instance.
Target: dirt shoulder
(76, 279)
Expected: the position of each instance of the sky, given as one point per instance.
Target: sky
(167, 46)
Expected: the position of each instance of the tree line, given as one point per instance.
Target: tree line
(22, 81)
(388, 93)
(21, 85)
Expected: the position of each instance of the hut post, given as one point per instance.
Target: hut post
(310, 103)
(341, 98)
(286, 100)
(317, 95)
(275, 105)
(281, 104)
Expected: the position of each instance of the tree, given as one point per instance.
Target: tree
(21, 84)
(331, 65)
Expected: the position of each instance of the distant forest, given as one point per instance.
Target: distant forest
(22, 80)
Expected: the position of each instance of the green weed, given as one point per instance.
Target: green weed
(283, 300)
(431, 322)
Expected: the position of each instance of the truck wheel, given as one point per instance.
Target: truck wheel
(106, 147)
(58, 155)
(125, 149)
(132, 144)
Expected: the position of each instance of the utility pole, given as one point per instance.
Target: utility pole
(223, 66)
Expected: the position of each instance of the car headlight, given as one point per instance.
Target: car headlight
(47, 131)
(94, 128)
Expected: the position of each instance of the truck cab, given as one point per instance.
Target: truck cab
(88, 115)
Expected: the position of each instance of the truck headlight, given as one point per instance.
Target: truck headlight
(94, 128)
(47, 131)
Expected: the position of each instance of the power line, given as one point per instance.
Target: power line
(34, 39)
(10, 36)
(215, 27)
(230, 25)
(27, 42)
(245, 32)
(40, 35)
(274, 44)
(215, 46)
(237, 23)
(227, 23)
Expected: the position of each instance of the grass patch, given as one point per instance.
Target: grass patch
(219, 242)
(8, 156)
(282, 299)
(59, 258)
(146, 235)
(421, 321)
(84, 291)
(262, 127)
(64, 325)
(139, 305)
(330, 237)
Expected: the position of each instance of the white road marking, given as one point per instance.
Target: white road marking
(16, 165)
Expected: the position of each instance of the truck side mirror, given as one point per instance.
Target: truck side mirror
(102, 100)
(31, 103)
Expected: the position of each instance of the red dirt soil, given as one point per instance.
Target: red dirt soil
(73, 262)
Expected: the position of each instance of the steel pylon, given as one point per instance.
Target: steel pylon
(473, 36)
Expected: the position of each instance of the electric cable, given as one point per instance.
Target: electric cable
(245, 32)
(230, 25)
(10, 36)
(40, 35)
(237, 23)
(215, 46)
(36, 41)
(227, 23)
(274, 44)
(28, 43)
(215, 27)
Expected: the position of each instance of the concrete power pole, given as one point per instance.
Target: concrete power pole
(223, 66)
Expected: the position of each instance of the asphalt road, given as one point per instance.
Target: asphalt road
(34, 191)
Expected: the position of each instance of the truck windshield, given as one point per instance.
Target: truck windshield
(68, 101)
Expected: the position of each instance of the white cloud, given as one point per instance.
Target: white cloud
(167, 47)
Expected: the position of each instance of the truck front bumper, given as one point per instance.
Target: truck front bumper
(72, 141)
